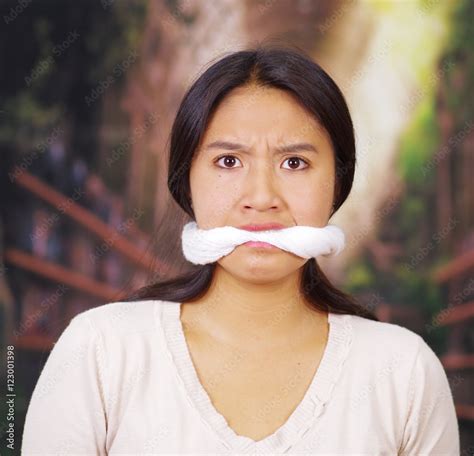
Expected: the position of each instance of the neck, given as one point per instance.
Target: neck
(255, 315)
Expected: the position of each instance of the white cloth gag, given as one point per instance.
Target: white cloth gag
(202, 246)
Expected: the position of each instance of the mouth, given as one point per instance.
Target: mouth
(259, 244)
(262, 227)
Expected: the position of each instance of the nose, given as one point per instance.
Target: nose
(261, 187)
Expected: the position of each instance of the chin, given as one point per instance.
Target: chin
(258, 268)
(257, 277)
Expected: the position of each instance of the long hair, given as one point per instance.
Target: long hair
(284, 68)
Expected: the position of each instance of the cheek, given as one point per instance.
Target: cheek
(214, 195)
(213, 204)
(212, 209)
(310, 205)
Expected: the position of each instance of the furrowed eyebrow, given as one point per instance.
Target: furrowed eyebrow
(227, 145)
(297, 147)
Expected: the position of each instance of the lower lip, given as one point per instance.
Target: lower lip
(264, 245)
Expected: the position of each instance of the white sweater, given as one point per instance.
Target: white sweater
(120, 380)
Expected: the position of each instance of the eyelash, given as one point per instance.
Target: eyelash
(293, 156)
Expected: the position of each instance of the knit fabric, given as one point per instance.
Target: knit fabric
(120, 380)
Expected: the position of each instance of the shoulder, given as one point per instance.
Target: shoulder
(396, 367)
(379, 337)
(402, 350)
(122, 317)
(393, 364)
(388, 350)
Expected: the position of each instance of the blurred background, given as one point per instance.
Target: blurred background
(88, 92)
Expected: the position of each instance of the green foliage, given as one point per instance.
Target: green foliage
(71, 48)
(360, 278)
(418, 289)
(29, 119)
(462, 28)
(410, 283)
(419, 142)
(412, 210)
(110, 44)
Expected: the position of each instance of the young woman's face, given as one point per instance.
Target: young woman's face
(253, 180)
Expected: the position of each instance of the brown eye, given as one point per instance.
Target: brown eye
(293, 162)
(228, 161)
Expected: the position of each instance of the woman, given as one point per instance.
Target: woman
(256, 351)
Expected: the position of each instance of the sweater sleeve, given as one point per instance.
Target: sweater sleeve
(431, 427)
(67, 413)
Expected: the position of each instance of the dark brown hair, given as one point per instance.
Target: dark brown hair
(284, 68)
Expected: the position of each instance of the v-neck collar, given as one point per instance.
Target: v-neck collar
(302, 418)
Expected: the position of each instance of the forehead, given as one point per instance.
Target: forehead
(254, 110)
